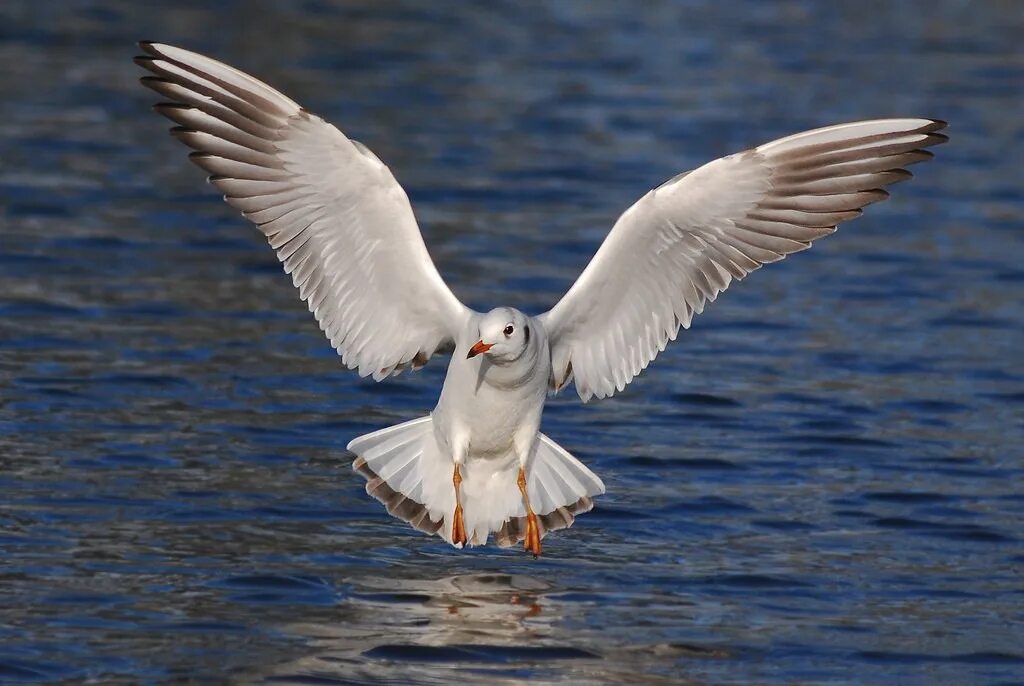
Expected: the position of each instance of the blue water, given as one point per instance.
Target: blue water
(821, 482)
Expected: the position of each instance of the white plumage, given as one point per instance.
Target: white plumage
(344, 230)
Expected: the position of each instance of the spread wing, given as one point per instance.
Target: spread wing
(684, 242)
(337, 218)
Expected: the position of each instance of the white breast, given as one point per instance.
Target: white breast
(490, 403)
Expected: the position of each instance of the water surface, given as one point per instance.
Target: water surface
(819, 483)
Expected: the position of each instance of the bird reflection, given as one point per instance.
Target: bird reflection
(490, 603)
(418, 630)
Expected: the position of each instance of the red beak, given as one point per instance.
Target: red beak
(478, 347)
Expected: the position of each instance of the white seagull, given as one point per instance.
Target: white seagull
(344, 229)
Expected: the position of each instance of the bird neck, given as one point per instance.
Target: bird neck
(516, 372)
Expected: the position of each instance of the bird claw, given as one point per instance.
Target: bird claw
(458, 523)
(532, 541)
(458, 528)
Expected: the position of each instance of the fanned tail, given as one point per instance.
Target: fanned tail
(560, 487)
(407, 471)
(390, 461)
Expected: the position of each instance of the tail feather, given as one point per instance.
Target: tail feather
(559, 475)
(390, 461)
(407, 471)
(560, 487)
(514, 530)
(397, 504)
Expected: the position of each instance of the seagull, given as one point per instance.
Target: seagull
(344, 229)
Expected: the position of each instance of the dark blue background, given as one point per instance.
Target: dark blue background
(819, 483)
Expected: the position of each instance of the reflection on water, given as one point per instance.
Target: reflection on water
(497, 625)
(492, 620)
(818, 483)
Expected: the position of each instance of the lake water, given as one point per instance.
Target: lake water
(821, 482)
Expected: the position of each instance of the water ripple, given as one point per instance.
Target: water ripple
(819, 482)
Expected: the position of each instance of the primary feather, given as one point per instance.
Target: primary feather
(341, 225)
(684, 242)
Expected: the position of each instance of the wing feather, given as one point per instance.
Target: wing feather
(339, 222)
(686, 241)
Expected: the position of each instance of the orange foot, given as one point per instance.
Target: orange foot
(532, 541)
(458, 527)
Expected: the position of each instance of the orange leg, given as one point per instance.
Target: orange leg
(458, 525)
(532, 541)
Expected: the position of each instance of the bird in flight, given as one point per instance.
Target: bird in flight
(344, 230)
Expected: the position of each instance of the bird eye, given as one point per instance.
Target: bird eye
(509, 330)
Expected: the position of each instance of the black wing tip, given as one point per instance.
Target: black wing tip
(153, 82)
(161, 106)
(150, 47)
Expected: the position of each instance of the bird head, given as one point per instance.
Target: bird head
(504, 335)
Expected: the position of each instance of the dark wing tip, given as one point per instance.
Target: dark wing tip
(155, 83)
(161, 106)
